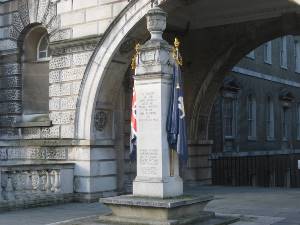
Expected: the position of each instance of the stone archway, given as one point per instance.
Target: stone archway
(223, 47)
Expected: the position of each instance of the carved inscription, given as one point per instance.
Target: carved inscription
(148, 105)
(149, 161)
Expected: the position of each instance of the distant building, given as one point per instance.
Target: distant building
(255, 123)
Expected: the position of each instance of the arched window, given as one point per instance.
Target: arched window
(35, 78)
(270, 119)
(43, 48)
(251, 117)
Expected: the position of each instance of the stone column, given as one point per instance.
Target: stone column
(153, 85)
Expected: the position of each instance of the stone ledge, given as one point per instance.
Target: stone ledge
(132, 210)
(33, 124)
(55, 142)
(129, 200)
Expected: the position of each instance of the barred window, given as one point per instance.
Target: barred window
(283, 52)
(251, 117)
(229, 117)
(268, 52)
(285, 124)
(270, 118)
(298, 121)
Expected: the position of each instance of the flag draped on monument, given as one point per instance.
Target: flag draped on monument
(176, 127)
(133, 135)
(133, 124)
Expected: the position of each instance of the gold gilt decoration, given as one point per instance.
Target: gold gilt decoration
(135, 57)
(176, 53)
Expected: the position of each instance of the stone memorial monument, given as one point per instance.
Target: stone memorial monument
(157, 191)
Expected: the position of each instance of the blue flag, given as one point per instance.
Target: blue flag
(176, 126)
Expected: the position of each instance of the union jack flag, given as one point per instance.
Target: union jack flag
(133, 136)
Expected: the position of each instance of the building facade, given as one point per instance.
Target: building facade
(255, 120)
(65, 87)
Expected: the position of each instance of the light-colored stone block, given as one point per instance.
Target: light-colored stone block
(60, 62)
(76, 87)
(79, 153)
(99, 13)
(72, 18)
(67, 131)
(64, 6)
(80, 59)
(118, 7)
(103, 25)
(72, 74)
(68, 103)
(54, 104)
(65, 89)
(85, 29)
(79, 4)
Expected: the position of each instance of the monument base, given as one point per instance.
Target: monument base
(129, 210)
(156, 188)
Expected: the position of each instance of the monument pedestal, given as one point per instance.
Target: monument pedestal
(168, 187)
(130, 210)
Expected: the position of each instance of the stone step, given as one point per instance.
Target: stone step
(219, 220)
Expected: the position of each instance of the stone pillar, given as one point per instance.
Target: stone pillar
(153, 85)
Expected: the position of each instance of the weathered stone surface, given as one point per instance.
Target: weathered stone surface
(61, 35)
(8, 45)
(54, 76)
(51, 132)
(31, 133)
(72, 74)
(68, 103)
(42, 10)
(80, 59)
(54, 104)
(67, 131)
(10, 69)
(60, 62)
(10, 108)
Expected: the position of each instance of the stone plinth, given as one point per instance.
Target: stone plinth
(138, 210)
(154, 211)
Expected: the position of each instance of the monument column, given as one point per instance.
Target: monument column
(153, 79)
(157, 175)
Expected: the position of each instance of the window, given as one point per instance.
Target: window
(35, 77)
(251, 117)
(285, 124)
(229, 117)
(297, 56)
(298, 121)
(251, 55)
(43, 48)
(283, 52)
(268, 52)
(270, 119)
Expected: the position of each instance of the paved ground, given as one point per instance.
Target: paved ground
(256, 206)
